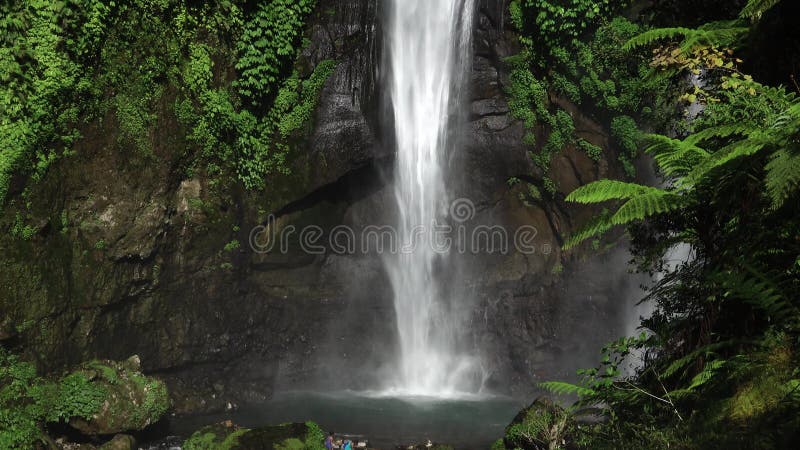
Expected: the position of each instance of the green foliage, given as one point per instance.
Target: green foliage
(21, 229)
(315, 437)
(267, 44)
(626, 134)
(292, 109)
(41, 77)
(232, 245)
(693, 168)
(716, 34)
(207, 439)
(562, 388)
(718, 362)
(65, 64)
(594, 152)
(156, 400)
(591, 71)
(527, 96)
(308, 436)
(559, 23)
(543, 427)
(756, 8)
(28, 401)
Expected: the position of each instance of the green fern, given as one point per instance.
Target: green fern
(563, 388)
(656, 34)
(641, 202)
(716, 34)
(704, 351)
(604, 190)
(646, 205)
(754, 9)
(760, 291)
(699, 380)
(783, 176)
(596, 226)
(674, 157)
(721, 131)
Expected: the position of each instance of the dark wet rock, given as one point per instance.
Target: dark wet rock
(7, 329)
(120, 442)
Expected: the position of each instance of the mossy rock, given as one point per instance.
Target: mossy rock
(132, 400)
(120, 442)
(226, 436)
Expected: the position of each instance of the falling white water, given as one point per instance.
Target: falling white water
(429, 47)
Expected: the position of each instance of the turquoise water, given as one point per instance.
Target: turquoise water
(468, 423)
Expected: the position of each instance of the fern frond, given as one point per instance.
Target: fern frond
(723, 33)
(706, 374)
(783, 176)
(683, 362)
(754, 9)
(744, 148)
(759, 291)
(646, 205)
(642, 202)
(604, 190)
(702, 378)
(722, 131)
(656, 34)
(674, 157)
(597, 226)
(562, 388)
(717, 34)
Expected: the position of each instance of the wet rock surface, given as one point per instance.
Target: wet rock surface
(131, 255)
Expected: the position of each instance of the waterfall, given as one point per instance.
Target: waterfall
(429, 51)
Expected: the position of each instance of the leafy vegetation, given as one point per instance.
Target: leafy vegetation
(267, 44)
(717, 363)
(27, 401)
(288, 436)
(584, 63)
(64, 65)
(559, 24)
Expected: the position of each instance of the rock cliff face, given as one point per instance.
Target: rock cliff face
(131, 256)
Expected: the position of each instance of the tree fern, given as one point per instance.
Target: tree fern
(783, 176)
(674, 156)
(754, 9)
(656, 34)
(721, 131)
(563, 388)
(641, 202)
(734, 151)
(715, 34)
(759, 291)
(707, 374)
(646, 205)
(596, 226)
(683, 362)
(604, 190)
